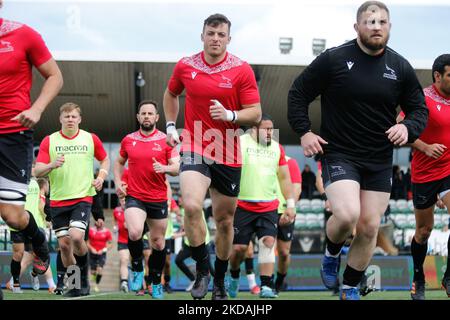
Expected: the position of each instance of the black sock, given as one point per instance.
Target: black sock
(235, 273)
(419, 252)
(201, 256)
(98, 278)
(447, 272)
(32, 232)
(167, 278)
(221, 267)
(352, 277)
(60, 269)
(148, 280)
(15, 271)
(334, 248)
(249, 265)
(266, 281)
(280, 279)
(156, 264)
(81, 261)
(135, 248)
(123, 280)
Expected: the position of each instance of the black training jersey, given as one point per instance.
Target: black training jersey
(359, 97)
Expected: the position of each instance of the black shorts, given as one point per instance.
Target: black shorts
(425, 194)
(154, 210)
(16, 158)
(224, 179)
(246, 223)
(170, 245)
(19, 237)
(97, 260)
(286, 233)
(74, 216)
(370, 176)
(122, 246)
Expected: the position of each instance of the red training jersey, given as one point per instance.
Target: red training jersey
(119, 216)
(44, 157)
(424, 168)
(21, 48)
(143, 182)
(267, 205)
(99, 238)
(231, 82)
(294, 171)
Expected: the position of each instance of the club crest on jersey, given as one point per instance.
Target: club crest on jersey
(391, 75)
(134, 143)
(193, 74)
(226, 84)
(156, 147)
(5, 46)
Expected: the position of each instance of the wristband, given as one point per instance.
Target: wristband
(230, 115)
(324, 196)
(104, 170)
(235, 117)
(290, 203)
(172, 130)
(170, 123)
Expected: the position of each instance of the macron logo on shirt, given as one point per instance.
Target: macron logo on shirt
(438, 107)
(350, 64)
(193, 74)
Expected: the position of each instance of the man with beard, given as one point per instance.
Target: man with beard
(264, 166)
(430, 169)
(361, 83)
(221, 94)
(149, 160)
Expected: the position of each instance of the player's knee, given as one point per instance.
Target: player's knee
(240, 249)
(269, 241)
(423, 233)
(134, 235)
(266, 254)
(158, 243)
(18, 255)
(192, 208)
(224, 224)
(64, 244)
(283, 253)
(369, 229)
(16, 219)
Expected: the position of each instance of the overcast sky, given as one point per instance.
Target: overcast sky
(167, 30)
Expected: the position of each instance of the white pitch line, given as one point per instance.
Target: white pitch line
(92, 295)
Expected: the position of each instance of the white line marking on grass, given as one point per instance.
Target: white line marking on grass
(91, 295)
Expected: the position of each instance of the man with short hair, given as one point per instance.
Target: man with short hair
(149, 160)
(263, 167)
(430, 169)
(99, 243)
(361, 83)
(67, 157)
(21, 49)
(221, 94)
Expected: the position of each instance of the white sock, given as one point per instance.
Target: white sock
(328, 254)
(251, 280)
(51, 283)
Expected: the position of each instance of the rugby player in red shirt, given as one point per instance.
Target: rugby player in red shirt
(149, 160)
(221, 94)
(21, 49)
(430, 171)
(99, 242)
